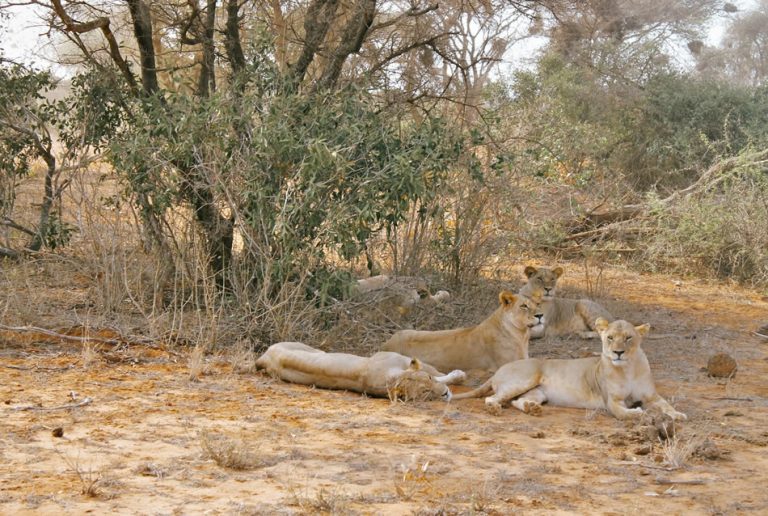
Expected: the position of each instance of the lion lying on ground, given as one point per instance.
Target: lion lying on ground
(614, 381)
(562, 316)
(384, 374)
(502, 337)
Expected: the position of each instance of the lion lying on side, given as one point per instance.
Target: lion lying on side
(502, 337)
(384, 374)
(614, 381)
(563, 316)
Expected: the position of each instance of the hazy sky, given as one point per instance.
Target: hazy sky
(23, 37)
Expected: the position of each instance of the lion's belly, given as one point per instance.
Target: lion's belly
(566, 387)
(320, 380)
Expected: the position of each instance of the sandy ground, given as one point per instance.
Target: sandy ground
(146, 441)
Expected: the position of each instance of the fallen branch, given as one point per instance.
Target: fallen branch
(38, 368)
(100, 340)
(729, 398)
(692, 482)
(85, 401)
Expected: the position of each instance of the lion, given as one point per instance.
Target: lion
(384, 374)
(500, 338)
(562, 316)
(616, 380)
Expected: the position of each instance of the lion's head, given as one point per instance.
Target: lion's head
(522, 310)
(543, 278)
(621, 340)
(415, 384)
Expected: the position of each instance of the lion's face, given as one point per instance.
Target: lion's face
(522, 311)
(544, 278)
(621, 340)
(415, 384)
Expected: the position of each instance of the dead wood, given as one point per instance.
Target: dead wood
(628, 220)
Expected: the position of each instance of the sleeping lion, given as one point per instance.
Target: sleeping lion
(500, 338)
(616, 380)
(384, 374)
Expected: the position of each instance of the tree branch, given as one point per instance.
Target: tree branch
(102, 24)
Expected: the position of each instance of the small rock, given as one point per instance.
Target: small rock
(538, 435)
(721, 365)
(643, 450)
(665, 426)
(709, 450)
(58, 432)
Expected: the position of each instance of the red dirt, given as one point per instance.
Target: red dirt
(138, 445)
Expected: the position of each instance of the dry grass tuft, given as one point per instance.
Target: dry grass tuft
(196, 364)
(232, 453)
(677, 451)
(89, 355)
(91, 479)
(323, 501)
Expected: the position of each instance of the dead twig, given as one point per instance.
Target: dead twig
(643, 465)
(84, 402)
(729, 398)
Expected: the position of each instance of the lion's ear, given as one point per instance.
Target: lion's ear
(601, 324)
(506, 298)
(558, 271)
(415, 364)
(529, 271)
(643, 329)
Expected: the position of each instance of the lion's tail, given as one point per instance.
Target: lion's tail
(474, 393)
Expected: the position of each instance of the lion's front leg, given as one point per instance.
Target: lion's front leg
(455, 377)
(663, 405)
(619, 410)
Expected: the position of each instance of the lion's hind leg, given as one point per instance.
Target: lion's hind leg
(589, 312)
(518, 378)
(530, 402)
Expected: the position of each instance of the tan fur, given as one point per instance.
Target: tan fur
(502, 337)
(615, 380)
(562, 316)
(383, 374)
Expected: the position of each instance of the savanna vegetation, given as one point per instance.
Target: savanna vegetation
(245, 161)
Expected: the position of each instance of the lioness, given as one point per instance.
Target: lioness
(502, 337)
(383, 374)
(615, 380)
(562, 316)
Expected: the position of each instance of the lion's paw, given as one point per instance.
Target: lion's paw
(493, 406)
(532, 408)
(678, 416)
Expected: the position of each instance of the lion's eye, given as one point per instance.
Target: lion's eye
(629, 339)
(524, 307)
(610, 338)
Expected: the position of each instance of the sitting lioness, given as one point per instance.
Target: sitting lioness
(562, 316)
(615, 380)
(384, 374)
(501, 338)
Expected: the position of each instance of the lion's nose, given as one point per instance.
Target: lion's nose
(448, 395)
(619, 353)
